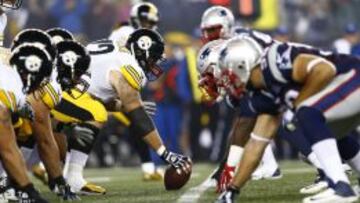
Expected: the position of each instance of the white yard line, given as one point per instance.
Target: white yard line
(193, 194)
(98, 179)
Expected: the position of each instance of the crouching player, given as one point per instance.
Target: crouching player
(327, 83)
(31, 67)
(117, 75)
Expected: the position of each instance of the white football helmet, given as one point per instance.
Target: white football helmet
(208, 56)
(217, 22)
(239, 56)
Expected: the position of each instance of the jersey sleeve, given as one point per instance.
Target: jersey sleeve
(132, 76)
(132, 72)
(9, 100)
(51, 94)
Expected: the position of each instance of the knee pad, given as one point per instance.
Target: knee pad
(83, 137)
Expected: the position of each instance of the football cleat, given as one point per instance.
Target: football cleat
(319, 185)
(156, 176)
(92, 189)
(342, 193)
(272, 175)
(40, 173)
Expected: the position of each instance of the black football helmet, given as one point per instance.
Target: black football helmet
(72, 62)
(12, 4)
(144, 15)
(34, 36)
(34, 65)
(58, 34)
(148, 48)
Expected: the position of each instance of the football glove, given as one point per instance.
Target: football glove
(225, 178)
(150, 107)
(228, 196)
(62, 189)
(179, 162)
(27, 112)
(30, 194)
(288, 120)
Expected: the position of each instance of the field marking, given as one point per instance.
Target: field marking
(193, 194)
(99, 179)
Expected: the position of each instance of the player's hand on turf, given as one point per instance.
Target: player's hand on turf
(225, 178)
(228, 196)
(62, 189)
(178, 161)
(150, 107)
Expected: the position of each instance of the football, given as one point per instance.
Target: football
(175, 181)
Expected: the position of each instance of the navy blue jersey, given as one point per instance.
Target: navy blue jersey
(277, 65)
(263, 39)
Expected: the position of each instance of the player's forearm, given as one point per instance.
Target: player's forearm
(9, 153)
(153, 140)
(265, 129)
(48, 149)
(241, 130)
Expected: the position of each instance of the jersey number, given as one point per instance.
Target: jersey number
(101, 47)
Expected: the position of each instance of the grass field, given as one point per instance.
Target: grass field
(125, 185)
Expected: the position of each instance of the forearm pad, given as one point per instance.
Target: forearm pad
(141, 123)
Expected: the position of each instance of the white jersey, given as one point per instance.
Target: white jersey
(121, 35)
(11, 94)
(4, 55)
(106, 57)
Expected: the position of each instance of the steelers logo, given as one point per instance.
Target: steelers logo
(144, 43)
(33, 63)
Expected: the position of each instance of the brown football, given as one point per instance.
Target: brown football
(173, 180)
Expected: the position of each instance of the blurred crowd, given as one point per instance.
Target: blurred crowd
(185, 123)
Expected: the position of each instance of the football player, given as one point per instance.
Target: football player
(31, 66)
(142, 15)
(320, 103)
(118, 73)
(218, 23)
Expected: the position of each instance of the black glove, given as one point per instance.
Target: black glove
(27, 111)
(150, 107)
(29, 194)
(178, 161)
(228, 196)
(61, 188)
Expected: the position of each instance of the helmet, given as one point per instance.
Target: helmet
(12, 4)
(148, 47)
(207, 60)
(237, 58)
(58, 34)
(72, 62)
(33, 64)
(36, 36)
(217, 22)
(144, 15)
(207, 65)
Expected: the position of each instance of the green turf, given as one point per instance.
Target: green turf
(125, 185)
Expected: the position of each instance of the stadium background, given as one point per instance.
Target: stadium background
(186, 124)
